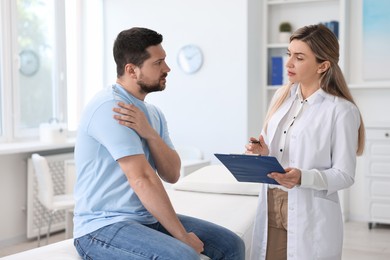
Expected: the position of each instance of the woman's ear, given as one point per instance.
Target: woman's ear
(324, 66)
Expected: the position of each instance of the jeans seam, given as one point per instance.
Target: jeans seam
(118, 248)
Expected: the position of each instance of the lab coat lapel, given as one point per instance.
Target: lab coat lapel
(279, 114)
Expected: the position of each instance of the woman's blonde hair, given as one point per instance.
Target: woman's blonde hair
(325, 47)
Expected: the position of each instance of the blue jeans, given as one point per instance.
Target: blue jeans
(131, 240)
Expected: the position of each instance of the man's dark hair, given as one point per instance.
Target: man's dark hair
(130, 47)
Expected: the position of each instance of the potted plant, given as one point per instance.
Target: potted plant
(285, 32)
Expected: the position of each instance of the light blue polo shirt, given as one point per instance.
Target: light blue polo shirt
(102, 193)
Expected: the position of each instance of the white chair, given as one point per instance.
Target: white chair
(46, 196)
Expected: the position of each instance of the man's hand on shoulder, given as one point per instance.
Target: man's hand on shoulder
(131, 116)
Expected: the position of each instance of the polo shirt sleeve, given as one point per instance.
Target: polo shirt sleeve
(119, 140)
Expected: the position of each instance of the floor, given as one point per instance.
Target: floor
(360, 242)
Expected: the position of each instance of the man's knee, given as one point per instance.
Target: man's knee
(236, 248)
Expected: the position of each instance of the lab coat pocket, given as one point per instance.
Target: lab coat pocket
(323, 195)
(329, 226)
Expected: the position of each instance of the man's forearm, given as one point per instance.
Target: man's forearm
(155, 199)
(167, 161)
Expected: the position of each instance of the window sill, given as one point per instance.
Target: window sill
(31, 146)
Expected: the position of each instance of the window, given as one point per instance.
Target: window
(40, 76)
(42, 62)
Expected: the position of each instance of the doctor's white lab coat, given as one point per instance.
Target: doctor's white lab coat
(325, 138)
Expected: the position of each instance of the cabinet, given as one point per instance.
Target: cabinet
(298, 13)
(377, 175)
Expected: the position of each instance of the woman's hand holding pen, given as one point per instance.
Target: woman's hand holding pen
(257, 146)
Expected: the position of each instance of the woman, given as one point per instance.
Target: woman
(315, 130)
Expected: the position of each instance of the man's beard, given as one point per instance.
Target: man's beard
(149, 88)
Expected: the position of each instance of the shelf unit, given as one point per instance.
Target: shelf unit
(298, 13)
(377, 174)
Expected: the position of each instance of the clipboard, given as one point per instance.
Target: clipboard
(251, 168)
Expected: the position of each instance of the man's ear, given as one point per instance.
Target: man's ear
(324, 66)
(130, 69)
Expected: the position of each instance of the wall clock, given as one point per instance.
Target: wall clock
(29, 63)
(190, 58)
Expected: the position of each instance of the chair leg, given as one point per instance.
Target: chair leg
(39, 229)
(49, 226)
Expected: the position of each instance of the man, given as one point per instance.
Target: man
(122, 209)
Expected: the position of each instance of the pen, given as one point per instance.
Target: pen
(254, 142)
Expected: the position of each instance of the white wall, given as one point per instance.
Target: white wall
(13, 194)
(208, 109)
